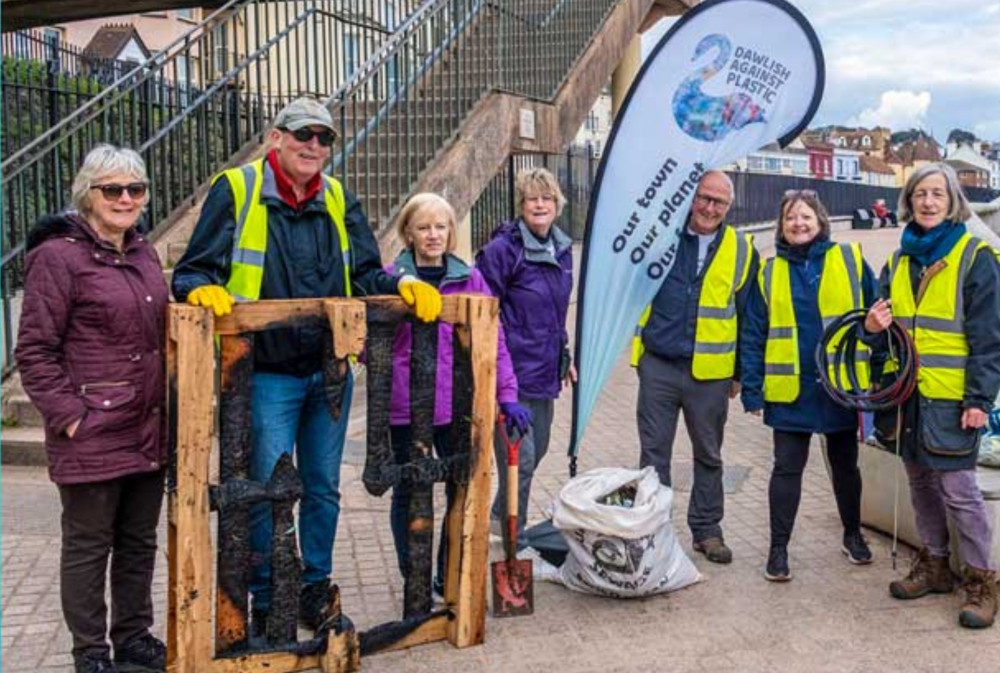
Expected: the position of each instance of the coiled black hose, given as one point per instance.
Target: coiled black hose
(850, 393)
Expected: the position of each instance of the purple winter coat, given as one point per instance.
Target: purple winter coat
(533, 287)
(90, 345)
(459, 279)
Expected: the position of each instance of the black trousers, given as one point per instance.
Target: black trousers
(791, 452)
(115, 518)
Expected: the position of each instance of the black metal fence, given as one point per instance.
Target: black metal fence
(757, 195)
(575, 169)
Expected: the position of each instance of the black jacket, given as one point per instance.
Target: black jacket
(931, 429)
(670, 330)
(303, 260)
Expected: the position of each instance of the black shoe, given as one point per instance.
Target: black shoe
(313, 601)
(146, 653)
(93, 663)
(258, 623)
(777, 564)
(856, 548)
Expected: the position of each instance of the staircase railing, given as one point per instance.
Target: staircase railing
(193, 108)
(402, 81)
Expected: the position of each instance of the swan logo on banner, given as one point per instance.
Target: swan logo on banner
(731, 76)
(710, 118)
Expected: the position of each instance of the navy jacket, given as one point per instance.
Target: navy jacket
(303, 260)
(670, 331)
(814, 410)
(939, 420)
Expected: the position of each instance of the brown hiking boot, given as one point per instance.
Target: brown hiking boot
(714, 549)
(928, 575)
(980, 607)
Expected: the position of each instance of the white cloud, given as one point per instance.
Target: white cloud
(896, 110)
(988, 130)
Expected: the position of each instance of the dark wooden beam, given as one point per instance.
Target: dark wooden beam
(18, 14)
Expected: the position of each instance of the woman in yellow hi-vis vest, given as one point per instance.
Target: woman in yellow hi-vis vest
(809, 283)
(943, 285)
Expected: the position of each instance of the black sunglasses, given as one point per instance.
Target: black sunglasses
(305, 134)
(113, 191)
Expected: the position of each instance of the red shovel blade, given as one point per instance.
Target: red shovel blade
(513, 585)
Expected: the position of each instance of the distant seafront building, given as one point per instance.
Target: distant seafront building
(593, 134)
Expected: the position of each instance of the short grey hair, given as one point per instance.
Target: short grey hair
(101, 162)
(537, 181)
(958, 205)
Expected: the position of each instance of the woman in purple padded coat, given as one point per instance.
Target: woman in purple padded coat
(90, 351)
(528, 265)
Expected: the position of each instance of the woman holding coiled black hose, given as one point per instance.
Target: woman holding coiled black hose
(810, 282)
(943, 285)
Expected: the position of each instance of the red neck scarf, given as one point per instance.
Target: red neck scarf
(284, 183)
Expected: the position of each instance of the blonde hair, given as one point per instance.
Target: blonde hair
(423, 202)
(535, 182)
(958, 205)
(100, 162)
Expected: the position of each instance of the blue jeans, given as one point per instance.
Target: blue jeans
(291, 411)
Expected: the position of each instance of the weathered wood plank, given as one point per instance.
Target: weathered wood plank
(195, 358)
(469, 626)
(420, 510)
(347, 321)
(433, 630)
(231, 599)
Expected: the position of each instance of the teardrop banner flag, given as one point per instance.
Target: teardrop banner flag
(728, 78)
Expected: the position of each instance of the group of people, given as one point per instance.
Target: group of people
(719, 328)
(92, 339)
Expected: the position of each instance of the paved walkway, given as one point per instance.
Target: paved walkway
(832, 617)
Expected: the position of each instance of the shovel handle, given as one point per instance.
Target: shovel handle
(513, 448)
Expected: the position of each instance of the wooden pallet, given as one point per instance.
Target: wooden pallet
(193, 636)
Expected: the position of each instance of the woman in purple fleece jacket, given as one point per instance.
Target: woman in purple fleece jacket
(426, 226)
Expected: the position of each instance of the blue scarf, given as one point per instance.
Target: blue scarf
(929, 245)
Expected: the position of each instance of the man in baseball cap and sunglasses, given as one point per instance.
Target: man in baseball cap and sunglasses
(278, 228)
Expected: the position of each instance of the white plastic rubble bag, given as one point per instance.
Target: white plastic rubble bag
(989, 443)
(615, 550)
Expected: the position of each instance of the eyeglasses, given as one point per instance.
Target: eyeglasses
(808, 193)
(305, 134)
(711, 201)
(113, 191)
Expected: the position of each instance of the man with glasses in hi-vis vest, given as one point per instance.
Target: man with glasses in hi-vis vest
(685, 352)
(278, 228)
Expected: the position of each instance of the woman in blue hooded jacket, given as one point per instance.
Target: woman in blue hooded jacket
(810, 282)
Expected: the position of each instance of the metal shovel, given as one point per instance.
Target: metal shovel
(513, 593)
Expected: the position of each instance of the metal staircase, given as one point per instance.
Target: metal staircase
(400, 76)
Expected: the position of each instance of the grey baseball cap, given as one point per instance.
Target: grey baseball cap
(303, 112)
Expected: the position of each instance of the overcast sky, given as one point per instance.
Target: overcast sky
(932, 64)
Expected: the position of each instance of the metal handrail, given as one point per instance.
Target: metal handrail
(398, 105)
(156, 61)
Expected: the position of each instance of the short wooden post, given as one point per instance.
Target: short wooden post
(480, 333)
(191, 563)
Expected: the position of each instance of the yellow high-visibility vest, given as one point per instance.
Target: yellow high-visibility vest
(936, 320)
(716, 327)
(839, 292)
(250, 240)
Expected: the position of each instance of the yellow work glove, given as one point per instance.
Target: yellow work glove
(214, 297)
(423, 297)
